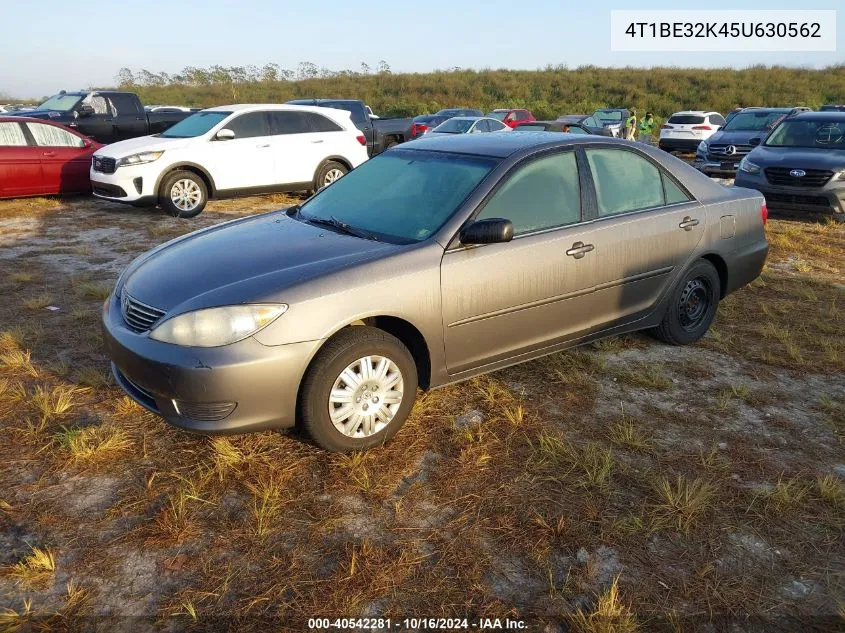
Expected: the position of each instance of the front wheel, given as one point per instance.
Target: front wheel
(692, 306)
(359, 390)
(183, 194)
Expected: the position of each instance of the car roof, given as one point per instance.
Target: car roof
(502, 145)
(699, 112)
(468, 118)
(829, 115)
(246, 107)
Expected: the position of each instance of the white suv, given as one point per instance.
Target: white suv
(227, 151)
(685, 130)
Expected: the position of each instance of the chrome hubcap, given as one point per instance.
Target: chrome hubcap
(365, 396)
(185, 194)
(331, 176)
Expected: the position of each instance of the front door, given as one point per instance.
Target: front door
(20, 165)
(246, 161)
(501, 300)
(646, 230)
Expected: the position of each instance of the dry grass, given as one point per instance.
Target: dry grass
(656, 483)
(35, 568)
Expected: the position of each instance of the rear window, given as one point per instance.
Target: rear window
(685, 119)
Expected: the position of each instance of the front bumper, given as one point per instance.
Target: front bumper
(827, 200)
(238, 388)
(713, 168)
(129, 184)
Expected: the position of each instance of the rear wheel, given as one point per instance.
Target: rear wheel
(692, 306)
(388, 143)
(329, 172)
(183, 194)
(359, 390)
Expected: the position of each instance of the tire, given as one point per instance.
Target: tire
(344, 353)
(692, 305)
(328, 173)
(391, 142)
(191, 203)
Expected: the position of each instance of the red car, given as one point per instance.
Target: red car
(40, 158)
(512, 117)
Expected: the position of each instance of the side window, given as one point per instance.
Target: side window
(11, 135)
(288, 123)
(249, 125)
(496, 125)
(624, 181)
(319, 123)
(591, 122)
(543, 194)
(356, 110)
(50, 136)
(577, 129)
(717, 119)
(124, 104)
(482, 126)
(521, 115)
(674, 194)
(100, 104)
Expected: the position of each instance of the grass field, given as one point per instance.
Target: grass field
(624, 486)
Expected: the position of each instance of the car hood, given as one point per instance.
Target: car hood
(798, 158)
(249, 260)
(737, 137)
(131, 146)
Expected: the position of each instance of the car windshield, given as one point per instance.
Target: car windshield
(402, 196)
(608, 116)
(756, 120)
(499, 116)
(809, 134)
(61, 103)
(454, 126)
(195, 125)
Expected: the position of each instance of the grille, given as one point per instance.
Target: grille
(811, 177)
(789, 199)
(104, 164)
(138, 316)
(722, 152)
(205, 411)
(109, 191)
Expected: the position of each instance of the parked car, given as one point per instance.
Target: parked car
(552, 126)
(469, 125)
(105, 115)
(511, 117)
(423, 123)
(381, 134)
(450, 112)
(683, 131)
(40, 158)
(720, 154)
(612, 119)
(587, 121)
(228, 151)
(800, 167)
(832, 108)
(439, 260)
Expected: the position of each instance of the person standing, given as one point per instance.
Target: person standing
(631, 126)
(646, 128)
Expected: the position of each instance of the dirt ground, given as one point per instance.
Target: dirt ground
(624, 486)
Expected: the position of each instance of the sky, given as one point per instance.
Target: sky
(55, 44)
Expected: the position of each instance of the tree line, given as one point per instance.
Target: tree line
(548, 93)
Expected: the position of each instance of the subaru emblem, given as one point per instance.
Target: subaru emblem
(798, 173)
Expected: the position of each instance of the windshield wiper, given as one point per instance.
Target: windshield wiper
(343, 227)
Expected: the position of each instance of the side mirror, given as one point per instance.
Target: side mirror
(491, 231)
(225, 135)
(754, 142)
(85, 110)
(86, 142)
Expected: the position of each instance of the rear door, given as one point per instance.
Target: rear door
(65, 159)
(501, 300)
(298, 145)
(20, 164)
(130, 120)
(644, 231)
(246, 161)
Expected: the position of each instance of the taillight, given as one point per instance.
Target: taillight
(665, 127)
(362, 139)
(701, 127)
(764, 213)
(418, 129)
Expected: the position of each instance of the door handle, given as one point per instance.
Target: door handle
(579, 249)
(109, 120)
(318, 141)
(49, 154)
(688, 223)
(263, 146)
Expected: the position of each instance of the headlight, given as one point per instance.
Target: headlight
(140, 159)
(702, 147)
(214, 327)
(748, 167)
